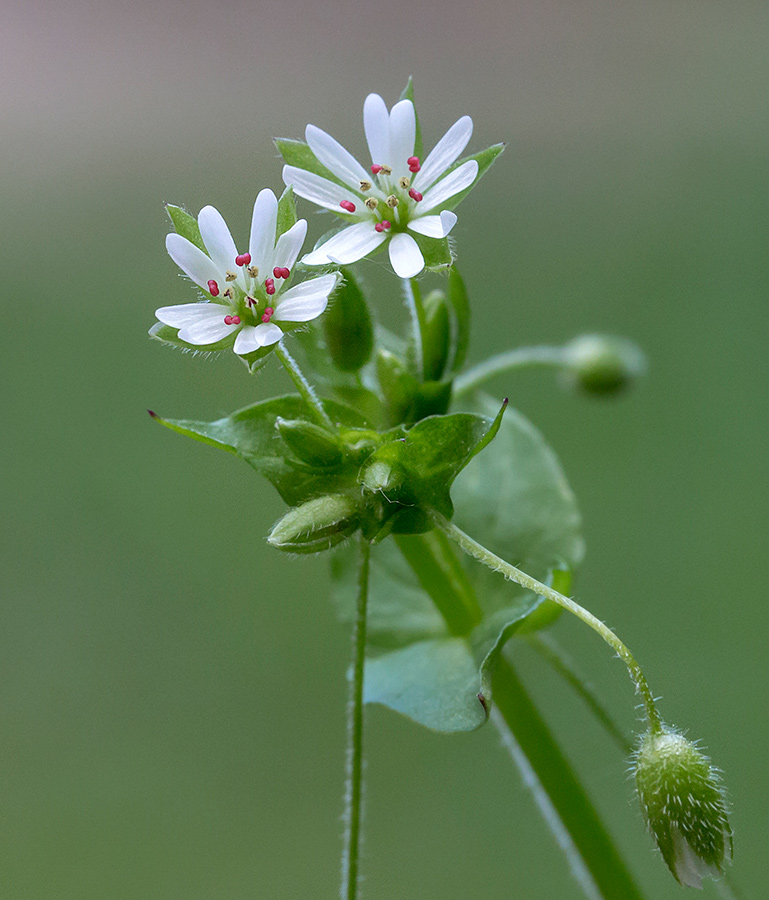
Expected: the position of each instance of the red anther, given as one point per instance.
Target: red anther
(236, 320)
(269, 286)
(277, 272)
(228, 320)
(415, 168)
(267, 314)
(375, 169)
(243, 260)
(415, 195)
(213, 288)
(348, 205)
(386, 225)
(286, 272)
(412, 161)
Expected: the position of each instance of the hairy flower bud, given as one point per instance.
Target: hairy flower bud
(316, 525)
(601, 364)
(684, 806)
(311, 443)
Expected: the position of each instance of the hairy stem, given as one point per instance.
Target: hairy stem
(521, 358)
(354, 765)
(304, 387)
(479, 552)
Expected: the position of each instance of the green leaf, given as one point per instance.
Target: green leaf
(252, 435)
(435, 336)
(424, 463)
(298, 153)
(408, 94)
(186, 225)
(484, 158)
(460, 306)
(287, 216)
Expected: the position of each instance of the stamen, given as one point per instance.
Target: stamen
(372, 203)
(213, 288)
(414, 169)
(269, 286)
(253, 271)
(386, 225)
(228, 320)
(385, 170)
(379, 227)
(236, 320)
(231, 276)
(365, 186)
(348, 205)
(250, 302)
(415, 195)
(228, 293)
(375, 169)
(392, 201)
(404, 182)
(413, 163)
(286, 272)
(243, 260)
(267, 314)
(277, 272)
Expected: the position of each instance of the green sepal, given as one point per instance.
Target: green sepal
(419, 469)
(287, 216)
(168, 335)
(408, 94)
(436, 252)
(460, 320)
(407, 399)
(311, 443)
(347, 326)
(186, 225)
(484, 159)
(435, 336)
(252, 435)
(316, 525)
(298, 154)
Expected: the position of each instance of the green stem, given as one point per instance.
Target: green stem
(549, 650)
(413, 298)
(304, 387)
(589, 846)
(354, 783)
(521, 358)
(479, 552)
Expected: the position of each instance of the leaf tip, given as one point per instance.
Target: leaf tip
(484, 703)
(153, 414)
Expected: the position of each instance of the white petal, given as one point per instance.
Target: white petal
(456, 181)
(689, 867)
(192, 261)
(335, 158)
(289, 244)
(376, 124)
(444, 153)
(208, 330)
(434, 226)
(319, 190)
(252, 338)
(348, 246)
(405, 256)
(305, 301)
(217, 238)
(403, 125)
(263, 223)
(190, 313)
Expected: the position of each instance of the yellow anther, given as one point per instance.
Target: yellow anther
(405, 183)
(253, 271)
(392, 201)
(372, 203)
(231, 276)
(365, 186)
(385, 170)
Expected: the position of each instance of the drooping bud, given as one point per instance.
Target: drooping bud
(316, 525)
(683, 802)
(311, 443)
(601, 364)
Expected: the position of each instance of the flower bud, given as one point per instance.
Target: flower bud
(601, 364)
(347, 327)
(311, 443)
(316, 525)
(684, 806)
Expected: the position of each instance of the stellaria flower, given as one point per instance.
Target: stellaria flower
(398, 195)
(683, 803)
(247, 295)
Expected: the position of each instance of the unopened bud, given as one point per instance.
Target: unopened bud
(683, 802)
(316, 525)
(602, 364)
(311, 443)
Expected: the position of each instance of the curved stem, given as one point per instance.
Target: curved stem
(521, 358)
(304, 387)
(479, 552)
(354, 784)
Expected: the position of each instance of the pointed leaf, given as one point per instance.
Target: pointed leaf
(186, 225)
(287, 216)
(298, 153)
(408, 94)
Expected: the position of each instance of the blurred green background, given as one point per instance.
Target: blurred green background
(171, 717)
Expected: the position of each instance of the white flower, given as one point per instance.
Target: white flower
(247, 295)
(399, 195)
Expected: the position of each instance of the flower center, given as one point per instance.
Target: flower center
(389, 201)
